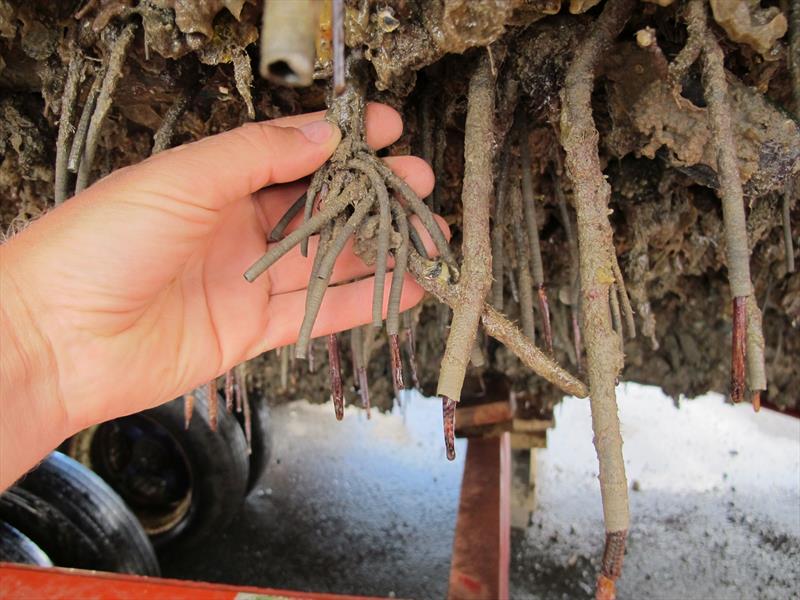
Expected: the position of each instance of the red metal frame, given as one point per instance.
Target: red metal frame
(24, 582)
(481, 549)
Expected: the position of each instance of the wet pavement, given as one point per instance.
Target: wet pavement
(369, 507)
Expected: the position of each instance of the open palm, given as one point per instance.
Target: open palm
(136, 284)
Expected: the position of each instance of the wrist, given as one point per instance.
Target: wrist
(34, 420)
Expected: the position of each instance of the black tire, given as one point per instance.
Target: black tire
(47, 527)
(260, 440)
(87, 501)
(182, 484)
(16, 547)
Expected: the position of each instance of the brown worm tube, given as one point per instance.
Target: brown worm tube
(754, 342)
(449, 423)
(213, 404)
(396, 364)
(356, 353)
(338, 47)
(248, 418)
(579, 137)
(284, 367)
(188, 409)
(695, 26)
(312, 357)
(500, 328)
(531, 222)
(419, 208)
(476, 274)
(574, 271)
(616, 315)
(317, 186)
(162, 139)
(411, 349)
(498, 228)
(79, 140)
(525, 285)
(715, 91)
(384, 229)
(288, 41)
(624, 300)
(788, 245)
(229, 390)
(116, 60)
(291, 213)
(75, 73)
(335, 372)
(243, 77)
(400, 267)
(327, 213)
(318, 284)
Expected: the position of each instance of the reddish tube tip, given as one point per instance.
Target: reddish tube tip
(449, 421)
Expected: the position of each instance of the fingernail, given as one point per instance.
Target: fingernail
(318, 132)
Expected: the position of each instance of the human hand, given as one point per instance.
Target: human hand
(132, 292)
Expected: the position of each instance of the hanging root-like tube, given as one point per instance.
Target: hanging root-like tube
(288, 41)
(243, 76)
(335, 372)
(285, 351)
(715, 90)
(162, 139)
(411, 349)
(385, 223)
(327, 212)
(592, 193)
(756, 371)
(213, 404)
(475, 278)
(240, 375)
(283, 223)
(188, 409)
(395, 294)
(786, 205)
(574, 272)
(319, 283)
(449, 425)
(338, 46)
(79, 140)
(522, 251)
(116, 59)
(75, 73)
(229, 390)
(529, 210)
(623, 300)
(499, 327)
(695, 27)
(498, 227)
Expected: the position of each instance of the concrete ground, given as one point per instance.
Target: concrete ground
(369, 507)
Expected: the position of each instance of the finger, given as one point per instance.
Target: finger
(384, 124)
(272, 203)
(344, 307)
(292, 272)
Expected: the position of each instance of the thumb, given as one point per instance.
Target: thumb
(219, 169)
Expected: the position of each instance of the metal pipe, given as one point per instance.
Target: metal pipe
(288, 41)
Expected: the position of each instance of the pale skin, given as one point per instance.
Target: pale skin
(131, 293)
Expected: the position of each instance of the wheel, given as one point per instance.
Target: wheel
(94, 508)
(17, 548)
(49, 529)
(260, 441)
(182, 484)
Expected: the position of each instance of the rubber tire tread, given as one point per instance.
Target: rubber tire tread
(16, 547)
(94, 507)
